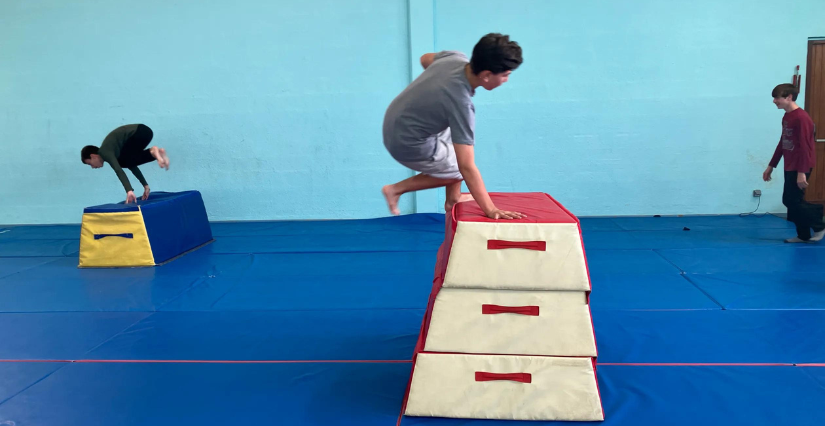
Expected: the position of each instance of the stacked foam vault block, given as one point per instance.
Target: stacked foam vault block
(147, 233)
(508, 332)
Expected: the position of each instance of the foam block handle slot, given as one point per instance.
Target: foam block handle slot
(520, 310)
(511, 377)
(525, 245)
(100, 236)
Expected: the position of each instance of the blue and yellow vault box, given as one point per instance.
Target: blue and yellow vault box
(146, 233)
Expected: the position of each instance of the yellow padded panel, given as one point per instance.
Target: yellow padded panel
(121, 241)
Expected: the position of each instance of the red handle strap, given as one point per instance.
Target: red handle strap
(532, 311)
(512, 377)
(527, 245)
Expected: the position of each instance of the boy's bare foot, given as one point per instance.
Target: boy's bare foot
(392, 199)
(155, 151)
(465, 197)
(160, 155)
(165, 158)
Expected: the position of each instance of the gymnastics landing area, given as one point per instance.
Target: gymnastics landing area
(673, 321)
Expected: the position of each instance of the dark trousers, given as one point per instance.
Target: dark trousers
(802, 213)
(134, 152)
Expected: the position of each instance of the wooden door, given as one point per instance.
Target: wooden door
(815, 106)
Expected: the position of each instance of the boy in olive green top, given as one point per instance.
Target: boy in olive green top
(125, 147)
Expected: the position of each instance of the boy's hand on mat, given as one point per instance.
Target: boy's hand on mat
(502, 214)
(766, 175)
(145, 193)
(130, 197)
(801, 181)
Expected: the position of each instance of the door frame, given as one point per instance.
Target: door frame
(811, 44)
(808, 67)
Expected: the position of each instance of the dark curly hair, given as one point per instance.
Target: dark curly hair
(495, 53)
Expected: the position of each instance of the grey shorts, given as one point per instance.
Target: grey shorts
(443, 164)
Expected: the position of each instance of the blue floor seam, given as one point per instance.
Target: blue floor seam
(118, 333)
(31, 385)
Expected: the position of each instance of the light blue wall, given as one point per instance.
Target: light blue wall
(636, 107)
(272, 109)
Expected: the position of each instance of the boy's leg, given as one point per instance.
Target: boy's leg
(416, 183)
(134, 151)
(811, 215)
(793, 199)
(440, 170)
(453, 196)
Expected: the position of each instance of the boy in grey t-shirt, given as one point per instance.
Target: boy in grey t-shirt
(430, 126)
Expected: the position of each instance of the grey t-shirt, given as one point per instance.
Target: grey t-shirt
(440, 97)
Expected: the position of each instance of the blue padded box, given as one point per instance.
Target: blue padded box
(145, 233)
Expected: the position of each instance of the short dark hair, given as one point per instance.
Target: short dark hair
(495, 53)
(86, 152)
(784, 90)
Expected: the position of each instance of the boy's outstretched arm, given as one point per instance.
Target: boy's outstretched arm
(465, 155)
(136, 171)
(121, 175)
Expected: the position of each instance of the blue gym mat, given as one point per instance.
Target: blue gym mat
(710, 336)
(367, 334)
(386, 241)
(308, 281)
(17, 376)
(693, 239)
(13, 265)
(689, 396)
(288, 322)
(673, 223)
(60, 286)
(628, 262)
(39, 247)
(773, 290)
(206, 394)
(646, 292)
(40, 232)
(60, 336)
(797, 258)
(426, 222)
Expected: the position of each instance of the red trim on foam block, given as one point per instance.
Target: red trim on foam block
(511, 377)
(537, 206)
(527, 245)
(532, 311)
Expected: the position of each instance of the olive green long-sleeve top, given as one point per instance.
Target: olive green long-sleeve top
(110, 151)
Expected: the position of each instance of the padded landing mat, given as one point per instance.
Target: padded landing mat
(628, 262)
(690, 396)
(213, 394)
(807, 258)
(386, 241)
(13, 265)
(17, 376)
(61, 286)
(765, 291)
(39, 248)
(274, 335)
(59, 336)
(646, 292)
(693, 239)
(671, 223)
(711, 336)
(423, 222)
(314, 281)
(39, 232)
